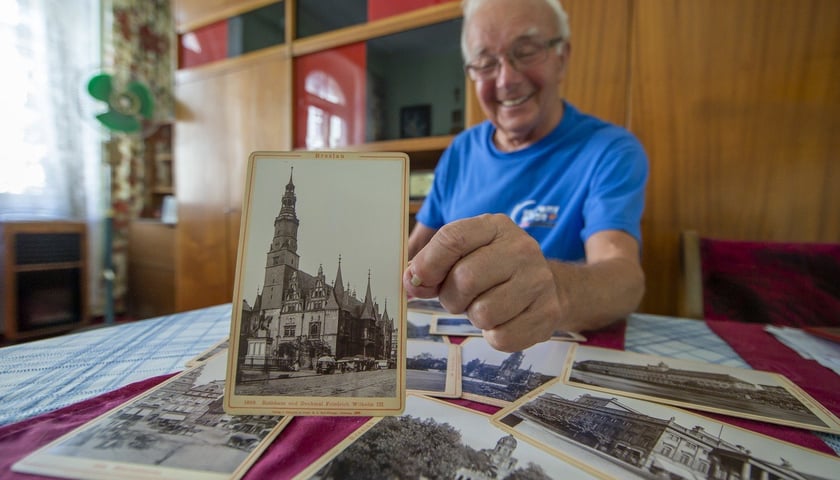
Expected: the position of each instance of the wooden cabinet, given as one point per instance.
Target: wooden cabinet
(151, 268)
(224, 112)
(44, 288)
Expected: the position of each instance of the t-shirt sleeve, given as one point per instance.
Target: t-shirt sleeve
(431, 213)
(617, 189)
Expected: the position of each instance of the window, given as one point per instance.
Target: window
(51, 163)
(289, 331)
(314, 329)
(325, 122)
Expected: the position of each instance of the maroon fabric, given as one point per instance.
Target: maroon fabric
(303, 441)
(609, 337)
(22, 438)
(795, 284)
(763, 352)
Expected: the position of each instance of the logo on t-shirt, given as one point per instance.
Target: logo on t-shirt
(529, 214)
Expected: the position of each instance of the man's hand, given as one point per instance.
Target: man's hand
(494, 271)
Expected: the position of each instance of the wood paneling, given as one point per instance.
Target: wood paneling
(738, 106)
(597, 77)
(151, 269)
(192, 14)
(223, 115)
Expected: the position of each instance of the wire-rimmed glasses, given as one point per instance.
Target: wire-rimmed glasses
(523, 53)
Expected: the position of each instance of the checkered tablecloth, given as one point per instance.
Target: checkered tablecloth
(42, 376)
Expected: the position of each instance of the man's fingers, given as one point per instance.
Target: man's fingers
(450, 243)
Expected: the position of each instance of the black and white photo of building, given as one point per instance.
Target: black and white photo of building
(180, 424)
(435, 439)
(728, 389)
(304, 324)
(630, 438)
(498, 377)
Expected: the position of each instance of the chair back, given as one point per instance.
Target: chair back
(793, 284)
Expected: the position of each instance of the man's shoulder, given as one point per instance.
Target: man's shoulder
(591, 126)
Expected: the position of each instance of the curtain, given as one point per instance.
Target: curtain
(51, 160)
(138, 42)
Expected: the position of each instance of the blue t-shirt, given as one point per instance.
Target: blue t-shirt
(587, 175)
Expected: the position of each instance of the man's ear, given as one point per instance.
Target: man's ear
(565, 54)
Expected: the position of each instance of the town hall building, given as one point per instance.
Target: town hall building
(299, 317)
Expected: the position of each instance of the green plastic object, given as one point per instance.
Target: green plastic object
(128, 105)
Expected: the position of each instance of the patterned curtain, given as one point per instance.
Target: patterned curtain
(139, 41)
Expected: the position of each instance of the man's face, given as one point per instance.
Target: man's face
(521, 99)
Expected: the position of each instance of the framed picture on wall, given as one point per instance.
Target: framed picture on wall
(416, 121)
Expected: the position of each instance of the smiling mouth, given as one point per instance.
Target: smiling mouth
(515, 101)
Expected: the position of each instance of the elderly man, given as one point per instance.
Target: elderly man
(533, 221)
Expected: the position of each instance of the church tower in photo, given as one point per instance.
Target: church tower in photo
(282, 259)
(299, 317)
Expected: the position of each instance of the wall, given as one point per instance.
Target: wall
(738, 106)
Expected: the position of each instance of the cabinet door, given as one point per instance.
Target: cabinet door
(224, 114)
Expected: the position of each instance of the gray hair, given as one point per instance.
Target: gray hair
(470, 6)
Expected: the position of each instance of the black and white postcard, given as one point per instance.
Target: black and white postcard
(318, 325)
(626, 438)
(428, 305)
(498, 378)
(741, 392)
(460, 325)
(418, 326)
(437, 439)
(176, 430)
(219, 347)
(433, 368)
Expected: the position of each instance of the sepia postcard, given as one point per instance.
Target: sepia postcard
(418, 326)
(176, 430)
(626, 438)
(427, 305)
(744, 393)
(433, 368)
(460, 325)
(498, 378)
(210, 352)
(318, 324)
(437, 439)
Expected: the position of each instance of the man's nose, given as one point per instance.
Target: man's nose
(508, 72)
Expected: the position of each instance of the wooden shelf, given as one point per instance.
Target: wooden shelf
(414, 206)
(423, 153)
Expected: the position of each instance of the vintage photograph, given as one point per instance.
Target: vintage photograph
(176, 430)
(320, 323)
(740, 392)
(498, 378)
(433, 368)
(222, 346)
(628, 438)
(427, 305)
(460, 325)
(418, 324)
(437, 439)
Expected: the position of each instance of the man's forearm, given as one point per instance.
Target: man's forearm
(595, 295)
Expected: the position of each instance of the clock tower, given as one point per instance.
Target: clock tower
(282, 257)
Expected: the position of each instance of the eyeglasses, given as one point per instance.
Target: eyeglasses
(523, 54)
